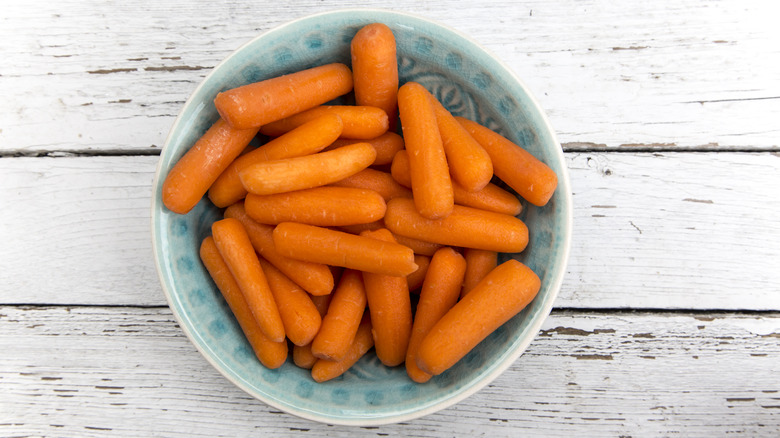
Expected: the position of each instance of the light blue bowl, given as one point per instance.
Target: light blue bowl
(470, 82)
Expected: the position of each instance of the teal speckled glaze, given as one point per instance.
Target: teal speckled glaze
(471, 83)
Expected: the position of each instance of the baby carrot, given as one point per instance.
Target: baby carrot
(299, 315)
(418, 246)
(322, 302)
(376, 180)
(359, 228)
(529, 177)
(309, 138)
(309, 171)
(331, 247)
(360, 122)
(322, 206)
(502, 294)
(260, 103)
(236, 249)
(440, 291)
(415, 279)
(342, 319)
(324, 370)
(271, 354)
(314, 278)
(431, 183)
(375, 68)
(478, 263)
(390, 307)
(249, 148)
(302, 355)
(386, 146)
(191, 176)
(466, 227)
(491, 197)
(470, 164)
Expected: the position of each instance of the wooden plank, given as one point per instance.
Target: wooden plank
(131, 372)
(648, 232)
(77, 230)
(654, 75)
(674, 230)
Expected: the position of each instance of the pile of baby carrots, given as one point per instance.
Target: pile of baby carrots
(334, 226)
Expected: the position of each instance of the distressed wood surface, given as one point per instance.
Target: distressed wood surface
(651, 75)
(131, 372)
(669, 115)
(651, 230)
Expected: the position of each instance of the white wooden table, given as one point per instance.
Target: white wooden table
(668, 322)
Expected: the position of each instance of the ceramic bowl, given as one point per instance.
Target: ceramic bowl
(471, 83)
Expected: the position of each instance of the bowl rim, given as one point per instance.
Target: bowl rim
(555, 283)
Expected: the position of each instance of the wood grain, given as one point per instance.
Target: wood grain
(675, 231)
(77, 230)
(672, 230)
(668, 75)
(642, 96)
(91, 371)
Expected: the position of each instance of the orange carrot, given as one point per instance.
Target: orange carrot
(331, 247)
(502, 294)
(322, 302)
(302, 355)
(322, 206)
(529, 177)
(466, 227)
(478, 264)
(431, 183)
(249, 148)
(360, 122)
(390, 307)
(236, 249)
(191, 176)
(440, 292)
(359, 228)
(299, 314)
(375, 68)
(306, 172)
(271, 354)
(337, 271)
(260, 103)
(418, 246)
(470, 164)
(386, 146)
(315, 278)
(309, 138)
(324, 370)
(415, 279)
(491, 197)
(343, 318)
(376, 180)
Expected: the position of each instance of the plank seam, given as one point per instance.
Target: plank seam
(80, 153)
(557, 310)
(570, 147)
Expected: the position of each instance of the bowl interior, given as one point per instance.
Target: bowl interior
(471, 83)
